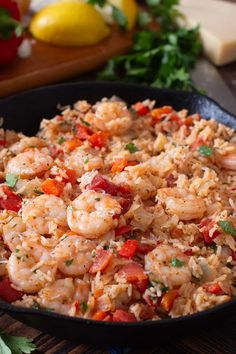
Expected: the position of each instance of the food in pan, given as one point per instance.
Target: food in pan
(119, 213)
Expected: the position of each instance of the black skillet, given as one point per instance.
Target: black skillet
(23, 112)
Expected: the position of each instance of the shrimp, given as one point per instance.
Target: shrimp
(73, 254)
(160, 265)
(29, 164)
(26, 142)
(11, 232)
(30, 267)
(44, 214)
(228, 161)
(91, 214)
(58, 295)
(180, 202)
(113, 117)
(82, 161)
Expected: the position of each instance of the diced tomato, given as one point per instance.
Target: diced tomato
(52, 186)
(3, 142)
(98, 293)
(125, 204)
(72, 144)
(123, 230)
(160, 112)
(197, 143)
(12, 202)
(72, 177)
(176, 232)
(188, 121)
(8, 293)
(206, 225)
(213, 288)
(144, 248)
(100, 183)
(133, 273)
(170, 180)
(83, 132)
(99, 316)
(98, 139)
(141, 109)
(168, 299)
(119, 165)
(55, 151)
(123, 316)
(188, 252)
(102, 259)
(129, 249)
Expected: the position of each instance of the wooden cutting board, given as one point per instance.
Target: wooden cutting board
(49, 63)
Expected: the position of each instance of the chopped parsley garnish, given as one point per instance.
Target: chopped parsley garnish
(68, 262)
(86, 160)
(48, 309)
(84, 306)
(213, 246)
(37, 191)
(205, 150)
(61, 140)
(35, 305)
(11, 179)
(17, 250)
(175, 262)
(227, 227)
(106, 247)
(85, 123)
(131, 148)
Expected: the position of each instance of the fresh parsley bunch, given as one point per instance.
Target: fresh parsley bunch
(160, 58)
(15, 345)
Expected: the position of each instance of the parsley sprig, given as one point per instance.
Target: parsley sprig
(15, 345)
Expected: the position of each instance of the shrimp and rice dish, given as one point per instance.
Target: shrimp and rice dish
(119, 213)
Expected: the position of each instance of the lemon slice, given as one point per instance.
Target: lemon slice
(69, 23)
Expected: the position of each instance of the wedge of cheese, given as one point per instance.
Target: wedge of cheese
(217, 21)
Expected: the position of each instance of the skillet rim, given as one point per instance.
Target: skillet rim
(167, 321)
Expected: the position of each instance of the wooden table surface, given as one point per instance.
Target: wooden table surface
(218, 340)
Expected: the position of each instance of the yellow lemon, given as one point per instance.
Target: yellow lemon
(69, 23)
(130, 9)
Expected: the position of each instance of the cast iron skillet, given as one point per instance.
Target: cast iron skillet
(23, 112)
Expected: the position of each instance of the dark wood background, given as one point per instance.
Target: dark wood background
(217, 340)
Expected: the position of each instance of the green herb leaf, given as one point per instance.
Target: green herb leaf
(68, 262)
(37, 191)
(213, 246)
(4, 349)
(100, 3)
(175, 262)
(16, 345)
(205, 150)
(84, 306)
(61, 140)
(227, 227)
(86, 160)
(119, 17)
(85, 123)
(11, 179)
(131, 148)
(144, 18)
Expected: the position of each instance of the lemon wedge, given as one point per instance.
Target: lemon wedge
(129, 8)
(69, 23)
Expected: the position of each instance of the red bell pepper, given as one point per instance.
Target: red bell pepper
(10, 30)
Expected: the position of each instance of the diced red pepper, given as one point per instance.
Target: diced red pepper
(52, 186)
(8, 293)
(3, 142)
(168, 299)
(188, 252)
(206, 225)
(119, 165)
(72, 144)
(100, 183)
(129, 249)
(98, 139)
(171, 180)
(72, 177)
(213, 288)
(144, 248)
(158, 113)
(133, 273)
(123, 230)
(83, 132)
(197, 143)
(123, 316)
(141, 109)
(176, 232)
(99, 316)
(102, 259)
(12, 202)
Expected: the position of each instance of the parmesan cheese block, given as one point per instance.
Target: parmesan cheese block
(217, 20)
